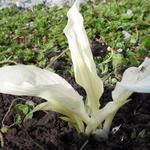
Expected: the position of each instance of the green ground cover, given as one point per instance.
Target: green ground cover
(38, 33)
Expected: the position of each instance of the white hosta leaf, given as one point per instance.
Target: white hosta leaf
(135, 79)
(109, 109)
(141, 87)
(53, 105)
(83, 63)
(104, 113)
(33, 81)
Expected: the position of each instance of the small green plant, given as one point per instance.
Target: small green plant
(136, 135)
(20, 112)
(87, 117)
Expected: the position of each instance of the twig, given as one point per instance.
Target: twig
(85, 143)
(63, 52)
(9, 109)
(1, 139)
(8, 61)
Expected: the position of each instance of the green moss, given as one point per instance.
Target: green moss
(33, 34)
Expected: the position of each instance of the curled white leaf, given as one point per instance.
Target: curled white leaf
(33, 81)
(83, 63)
(142, 86)
(58, 107)
(135, 79)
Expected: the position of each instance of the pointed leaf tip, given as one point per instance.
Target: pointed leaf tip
(83, 63)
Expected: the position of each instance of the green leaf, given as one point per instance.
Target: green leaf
(4, 129)
(118, 60)
(141, 134)
(133, 61)
(145, 40)
(133, 134)
(21, 108)
(17, 118)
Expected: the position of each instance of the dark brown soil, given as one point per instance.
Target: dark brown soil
(45, 131)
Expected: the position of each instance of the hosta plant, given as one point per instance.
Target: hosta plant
(87, 117)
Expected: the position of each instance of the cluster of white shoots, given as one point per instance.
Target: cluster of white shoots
(87, 117)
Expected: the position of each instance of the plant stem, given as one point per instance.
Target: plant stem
(1, 139)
